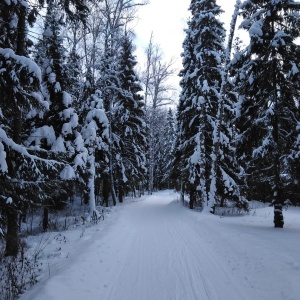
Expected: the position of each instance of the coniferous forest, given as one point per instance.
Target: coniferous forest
(80, 120)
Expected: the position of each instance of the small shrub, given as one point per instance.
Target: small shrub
(16, 275)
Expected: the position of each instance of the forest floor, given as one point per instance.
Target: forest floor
(156, 249)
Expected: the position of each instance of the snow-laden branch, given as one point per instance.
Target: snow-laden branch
(24, 61)
(4, 139)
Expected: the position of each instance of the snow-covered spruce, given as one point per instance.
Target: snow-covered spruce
(267, 116)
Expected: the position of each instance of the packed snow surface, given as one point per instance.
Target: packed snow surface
(156, 249)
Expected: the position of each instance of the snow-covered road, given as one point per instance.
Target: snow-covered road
(157, 250)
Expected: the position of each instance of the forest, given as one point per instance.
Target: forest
(81, 119)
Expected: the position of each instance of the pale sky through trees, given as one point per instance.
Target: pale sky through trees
(167, 21)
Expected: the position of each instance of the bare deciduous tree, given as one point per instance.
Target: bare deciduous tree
(156, 77)
(159, 93)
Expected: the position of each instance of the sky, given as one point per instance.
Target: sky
(167, 21)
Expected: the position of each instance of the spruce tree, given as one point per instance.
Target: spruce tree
(58, 129)
(130, 123)
(169, 138)
(77, 10)
(95, 136)
(51, 58)
(109, 85)
(74, 84)
(159, 125)
(201, 82)
(226, 189)
(269, 95)
(21, 171)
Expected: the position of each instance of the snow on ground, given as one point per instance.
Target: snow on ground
(156, 249)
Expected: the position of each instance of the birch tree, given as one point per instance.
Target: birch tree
(158, 94)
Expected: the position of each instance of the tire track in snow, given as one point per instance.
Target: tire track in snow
(167, 250)
(154, 251)
(184, 258)
(200, 257)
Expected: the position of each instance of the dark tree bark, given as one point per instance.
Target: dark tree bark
(12, 237)
(192, 197)
(278, 216)
(121, 194)
(45, 219)
(105, 191)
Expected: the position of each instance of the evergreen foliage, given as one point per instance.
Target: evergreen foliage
(95, 135)
(59, 131)
(130, 121)
(236, 132)
(22, 173)
(169, 138)
(268, 88)
(201, 82)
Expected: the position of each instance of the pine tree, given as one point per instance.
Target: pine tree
(95, 135)
(21, 172)
(225, 189)
(51, 58)
(201, 82)
(74, 84)
(57, 130)
(168, 150)
(269, 95)
(188, 116)
(75, 9)
(157, 138)
(130, 123)
(109, 86)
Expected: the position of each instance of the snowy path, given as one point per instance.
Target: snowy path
(157, 250)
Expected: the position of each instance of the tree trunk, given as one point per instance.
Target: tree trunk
(278, 216)
(222, 202)
(182, 190)
(113, 192)
(105, 191)
(192, 197)
(151, 157)
(277, 185)
(91, 183)
(45, 219)
(12, 237)
(149, 53)
(111, 175)
(21, 46)
(121, 193)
